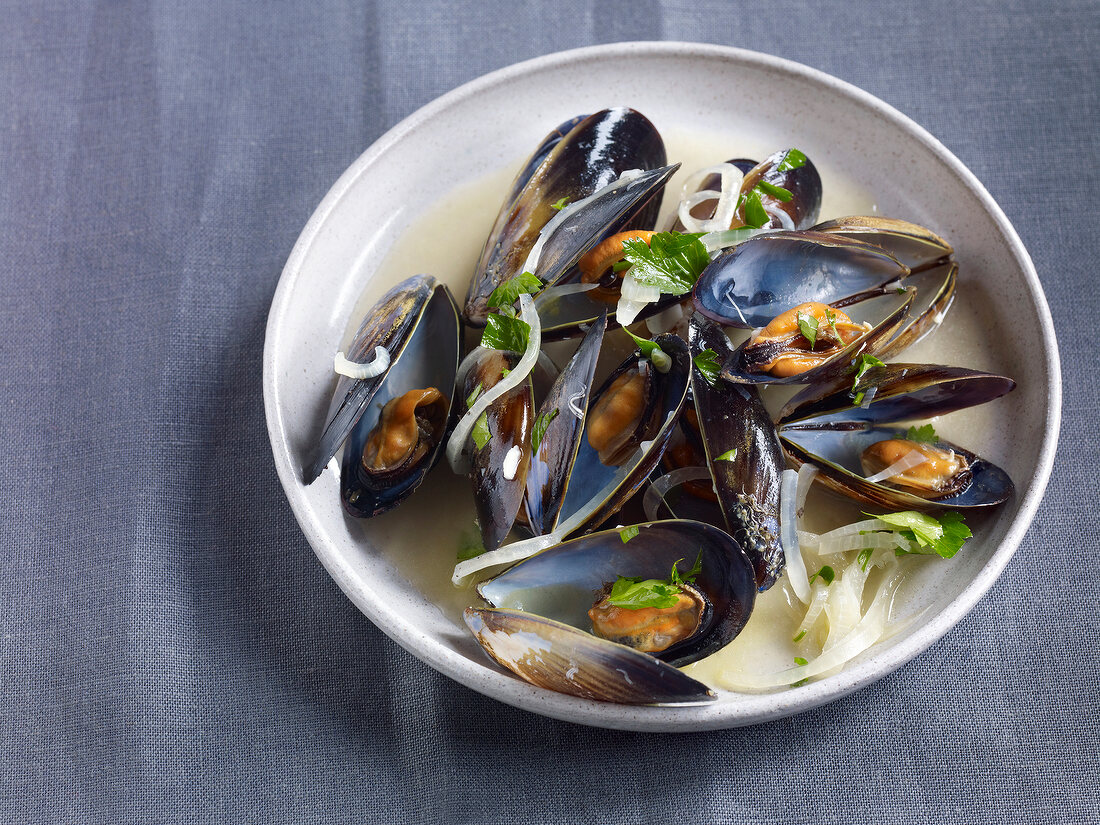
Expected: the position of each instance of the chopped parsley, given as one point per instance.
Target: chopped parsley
(826, 574)
(799, 637)
(927, 535)
(777, 192)
(504, 333)
(508, 292)
(560, 205)
(539, 429)
(671, 261)
(923, 435)
(635, 594)
(627, 533)
(798, 660)
(707, 364)
(648, 348)
(864, 558)
(830, 316)
(807, 325)
(794, 159)
(472, 397)
(862, 364)
(480, 433)
(728, 455)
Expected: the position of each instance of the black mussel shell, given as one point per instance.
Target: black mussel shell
(913, 245)
(499, 469)
(592, 154)
(563, 582)
(743, 454)
(389, 324)
(555, 656)
(749, 285)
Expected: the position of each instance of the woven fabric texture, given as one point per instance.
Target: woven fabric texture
(170, 648)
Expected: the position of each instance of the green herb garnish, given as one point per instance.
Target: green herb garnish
(799, 637)
(923, 435)
(539, 428)
(826, 574)
(480, 433)
(634, 594)
(627, 533)
(469, 544)
(472, 397)
(707, 364)
(504, 333)
(755, 214)
(927, 534)
(728, 455)
(671, 261)
(619, 266)
(798, 660)
(807, 325)
(794, 159)
(560, 205)
(830, 316)
(777, 192)
(864, 557)
(862, 364)
(508, 292)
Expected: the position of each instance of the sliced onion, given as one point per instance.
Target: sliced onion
(508, 554)
(633, 298)
(533, 256)
(352, 369)
(458, 445)
(658, 489)
(788, 535)
(723, 238)
(727, 198)
(561, 290)
(817, 605)
(806, 475)
(913, 458)
(868, 397)
(785, 220)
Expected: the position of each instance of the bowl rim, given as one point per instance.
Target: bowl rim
(494, 682)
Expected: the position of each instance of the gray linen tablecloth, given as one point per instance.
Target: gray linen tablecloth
(170, 648)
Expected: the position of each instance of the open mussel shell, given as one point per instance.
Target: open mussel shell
(749, 285)
(887, 314)
(420, 305)
(572, 166)
(563, 582)
(563, 411)
(563, 312)
(823, 425)
(499, 468)
(557, 657)
(743, 455)
(913, 245)
(594, 491)
(427, 357)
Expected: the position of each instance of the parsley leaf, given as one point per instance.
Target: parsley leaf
(826, 573)
(798, 660)
(671, 261)
(469, 545)
(756, 215)
(508, 292)
(634, 594)
(560, 205)
(777, 192)
(505, 333)
(647, 347)
(472, 397)
(864, 557)
(539, 428)
(480, 433)
(862, 364)
(707, 364)
(794, 159)
(628, 533)
(799, 637)
(928, 535)
(728, 455)
(830, 316)
(807, 325)
(923, 435)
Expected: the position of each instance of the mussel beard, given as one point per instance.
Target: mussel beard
(410, 427)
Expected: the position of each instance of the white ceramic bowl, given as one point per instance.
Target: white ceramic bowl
(490, 125)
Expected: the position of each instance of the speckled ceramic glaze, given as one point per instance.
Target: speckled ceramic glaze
(458, 139)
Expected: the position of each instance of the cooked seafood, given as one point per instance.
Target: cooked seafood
(583, 594)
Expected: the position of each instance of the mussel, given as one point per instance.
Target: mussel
(599, 447)
(568, 167)
(846, 432)
(394, 423)
(541, 628)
